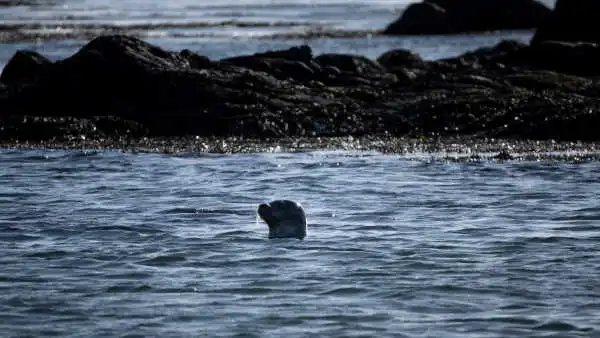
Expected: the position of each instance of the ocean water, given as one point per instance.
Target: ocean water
(227, 28)
(112, 244)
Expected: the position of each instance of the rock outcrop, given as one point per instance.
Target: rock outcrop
(571, 21)
(465, 16)
(123, 86)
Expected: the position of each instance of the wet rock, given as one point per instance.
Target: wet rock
(294, 63)
(123, 87)
(352, 70)
(124, 53)
(571, 58)
(350, 63)
(503, 155)
(36, 128)
(195, 60)
(462, 16)
(572, 21)
(420, 18)
(24, 67)
(488, 56)
(400, 58)
(280, 68)
(299, 53)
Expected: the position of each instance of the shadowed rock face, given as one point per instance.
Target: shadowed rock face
(571, 21)
(122, 86)
(463, 16)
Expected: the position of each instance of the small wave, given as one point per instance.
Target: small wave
(80, 26)
(344, 291)
(19, 237)
(38, 158)
(267, 259)
(321, 165)
(560, 326)
(83, 154)
(124, 228)
(49, 254)
(323, 34)
(371, 273)
(164, 260)
(504, 319)
(128, 288)
(250, 291)
(114, 227)
(62, 170)
(41, 310)
(233, 233)
(19, 195)
(178, 211)
(580, 217)
(202, 211)
(266, 30)
(549, 239)
(592, 229)
(82, 30)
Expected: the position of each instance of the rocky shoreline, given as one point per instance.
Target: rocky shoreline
(120, 86)
(447, 149)
(121, 89)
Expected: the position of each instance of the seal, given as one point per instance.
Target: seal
(285, 218)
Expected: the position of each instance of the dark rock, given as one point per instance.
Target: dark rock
(352, 70)
(279, 68)
(294, 63)
(196, 61)
(300, 53)
(420, 18)
(504, 155)
(463, 16)
(571, 58)
(397, 58)
(125, 53)
(541, 80)
(35, 128)
(572, 21)
(23, 68)
(486, 56)
(350, 63)
(120, 86)
(106, 74)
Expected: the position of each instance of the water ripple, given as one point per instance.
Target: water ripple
(114, 244)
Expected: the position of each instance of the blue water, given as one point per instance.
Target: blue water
(109, 244)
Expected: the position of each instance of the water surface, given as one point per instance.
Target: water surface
(106, 244)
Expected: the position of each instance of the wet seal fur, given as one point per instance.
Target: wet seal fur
(285, 218)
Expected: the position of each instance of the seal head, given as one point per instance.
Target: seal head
(285, 218)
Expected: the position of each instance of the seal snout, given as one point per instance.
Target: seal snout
(264, 211)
